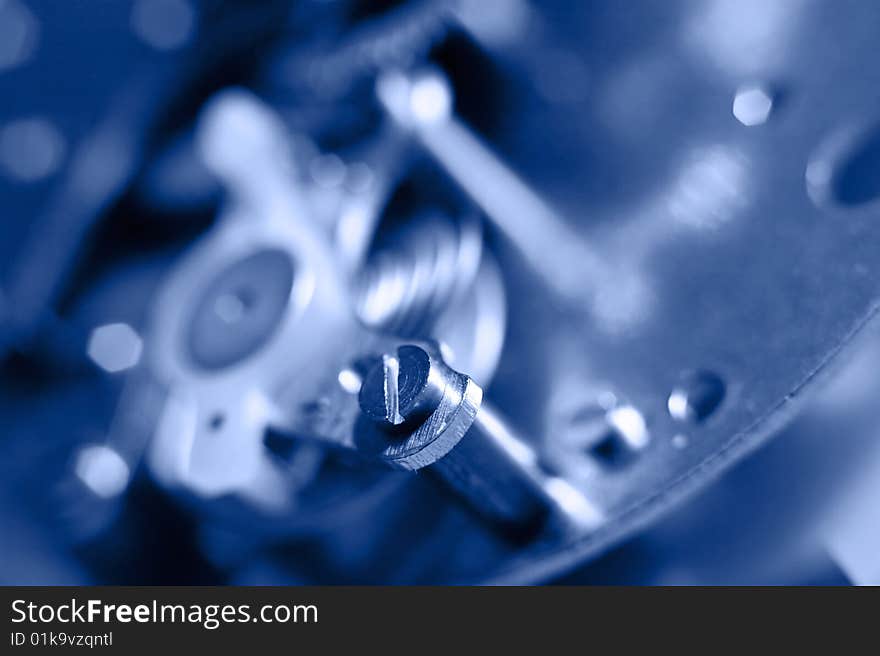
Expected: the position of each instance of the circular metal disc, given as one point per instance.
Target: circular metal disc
(720, 258)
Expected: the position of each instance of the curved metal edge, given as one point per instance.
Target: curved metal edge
(547, 562)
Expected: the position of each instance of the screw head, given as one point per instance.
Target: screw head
(400, 387)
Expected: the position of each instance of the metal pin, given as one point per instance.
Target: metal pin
(466, 443)
(422, 103)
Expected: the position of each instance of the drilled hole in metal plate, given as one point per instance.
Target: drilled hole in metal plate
(698, 396)
(856, 180)
(612, 436)
(848, 175)
(215, 423)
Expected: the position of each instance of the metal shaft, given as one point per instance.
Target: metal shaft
(432, 417)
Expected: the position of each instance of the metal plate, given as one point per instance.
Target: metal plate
(722, 261)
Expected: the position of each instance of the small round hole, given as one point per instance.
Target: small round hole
(696, 397)
(215, 423)
(858, 177)
(846, 171)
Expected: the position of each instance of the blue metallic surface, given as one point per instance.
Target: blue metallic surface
(647, 231)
